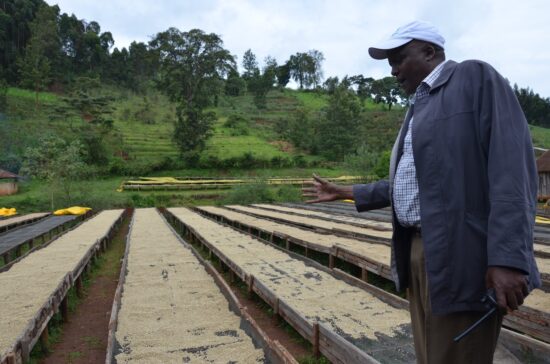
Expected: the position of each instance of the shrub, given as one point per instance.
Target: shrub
(251, 193)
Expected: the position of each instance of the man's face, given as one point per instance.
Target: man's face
(410, 64)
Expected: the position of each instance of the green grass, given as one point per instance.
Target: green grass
(540, 136)
(46, 97)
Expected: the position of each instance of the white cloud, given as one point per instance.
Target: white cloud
(511, 35)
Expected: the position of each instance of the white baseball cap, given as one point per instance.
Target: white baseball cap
(421, 30)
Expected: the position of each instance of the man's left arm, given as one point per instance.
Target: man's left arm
(512, 182)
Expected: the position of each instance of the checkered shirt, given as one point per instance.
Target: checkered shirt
(406, 200)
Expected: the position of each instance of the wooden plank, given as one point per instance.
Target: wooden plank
(341, 350)
(113, 319)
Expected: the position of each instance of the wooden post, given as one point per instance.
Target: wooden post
(45, 337)
(31, 244)
(271, 238)
(232, 276)
(364, 275)
(307, 252)
(287, 243)
(316, 351)
(330, 261)
(18, 251)
(64, 308)
(6, 257)
(79, 292)
(250, 285)
(210, 254)
(276, 315)
(10, 359)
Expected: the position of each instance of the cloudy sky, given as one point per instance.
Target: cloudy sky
(512, 35)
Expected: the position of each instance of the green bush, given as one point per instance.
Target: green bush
(252, 193)
(238, 125)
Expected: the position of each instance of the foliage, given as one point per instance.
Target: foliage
(193, 128)
(3, 95)
(250, 65)
(192, 65)
(337, 131)
(251, 193)
(235, 85)
(41, 51)
(306, 69)
(57, 162)
(238, 124)
(536, 108)
(387, 91)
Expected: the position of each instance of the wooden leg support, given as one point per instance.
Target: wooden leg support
(316, 351)
(331, 261)
(64, 308)
(45, 337)
(250, 285)
(6, 258)
(78, 285)
(10, 359)
(364, 275)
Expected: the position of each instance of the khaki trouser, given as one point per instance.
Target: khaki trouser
(433, 334)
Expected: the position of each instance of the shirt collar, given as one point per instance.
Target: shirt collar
(427, 83)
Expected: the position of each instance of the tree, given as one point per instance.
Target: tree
(192, 68)
(283, 74)
(364, 86)
(193, 128)
(536, 108)
(261, 84)
(387, 91)
(305, 68)
(234, 85)
(43, 48)
(338, 129)
(250, 65)
(56, 162)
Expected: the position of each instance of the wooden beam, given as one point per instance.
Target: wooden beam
(316, 348)
(64, 308)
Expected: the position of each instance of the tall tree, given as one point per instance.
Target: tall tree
(192, 68)
(306, 68)
(42, 50)
(339, 127)
(250, 65)
(387, 91)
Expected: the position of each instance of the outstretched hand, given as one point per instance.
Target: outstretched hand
(510, 287)
(324, 191)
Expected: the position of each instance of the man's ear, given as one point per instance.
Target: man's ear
(429, 51)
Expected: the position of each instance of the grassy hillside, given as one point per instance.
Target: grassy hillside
(540, 136)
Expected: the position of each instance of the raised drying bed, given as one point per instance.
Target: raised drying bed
(532, 318)
(337, 228)
(373, 257)
(12, 242)
(16, 221)
(36, 287)
(170, 183)
(171, 310)
(350, 220)
(346, 323)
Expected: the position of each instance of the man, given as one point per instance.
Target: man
(462, 189)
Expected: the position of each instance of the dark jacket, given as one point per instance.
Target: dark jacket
(477, 185)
